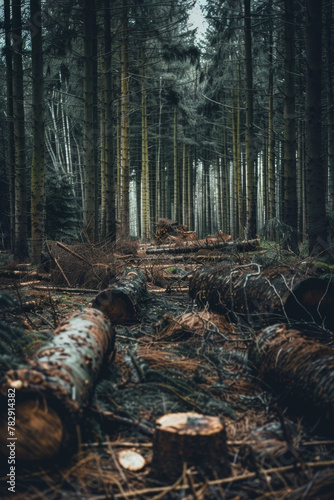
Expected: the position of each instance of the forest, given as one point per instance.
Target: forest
(166, 257)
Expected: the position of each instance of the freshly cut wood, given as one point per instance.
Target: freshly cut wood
(300, 368)
(246, 293)
(189, 438)
(51, 394)
(131, 460)
(121, 302)
(195, 246)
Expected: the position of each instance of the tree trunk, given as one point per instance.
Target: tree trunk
(20, 243)
(195, 246)
(10, 119)
(125, 171)
(314, 172)
(90, 171)
(121, 303)
(145, 180)
(250, 144)
(177, 207)
(330, 107)
(289, 155)
(299, 367)
(38, 158)
(108, 204)
(271, 134)
(50, 396)
(258, 298)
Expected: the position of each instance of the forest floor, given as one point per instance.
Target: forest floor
(175, 359)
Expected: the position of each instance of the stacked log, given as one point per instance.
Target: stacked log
(259, 298)
(50, 395)
(299, 367)
(121, 302)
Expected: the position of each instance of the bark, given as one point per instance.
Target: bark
(250, 142)
(192, 438)
(90, 171)
(121, 303)
(195, 246)
(289, 160)
(108, 204)
(38, 159)
(145, 180)
(10, 119)
(258, 298)
(297, 366)
(20, 243)
(314, 171)
(51, 394)
(125, 169)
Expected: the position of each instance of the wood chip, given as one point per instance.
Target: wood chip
(131, 460)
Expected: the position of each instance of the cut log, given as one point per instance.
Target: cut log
(50, 396)
(195, 246)
(261, 298)
(189, 438)
(300, 368)
(121, 302)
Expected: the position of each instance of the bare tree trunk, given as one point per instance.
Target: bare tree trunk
(10, 120)
(20, 244)
(289, 155)
(250, 145)
(38, 159)
(125, 174)
(314, 173)
(90, 177)
(145, 180)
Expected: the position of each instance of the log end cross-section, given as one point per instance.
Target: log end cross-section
(49, 397)
(121, 302)
(189, 438)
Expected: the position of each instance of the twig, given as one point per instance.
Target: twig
(226, 480)
(62, 272)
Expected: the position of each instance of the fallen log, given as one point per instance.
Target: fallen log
(41, 406)
(261, 297)
(189, 438)
(195, 246)
(121, 302)
(297, 366)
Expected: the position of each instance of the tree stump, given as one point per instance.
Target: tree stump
(189, 438)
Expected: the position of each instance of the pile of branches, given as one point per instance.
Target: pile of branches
(169, 232)
(81, 265)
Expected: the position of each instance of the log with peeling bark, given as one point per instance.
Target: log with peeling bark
(189, 438)
(121, 303)
(195, 246)
(301, 368)
(48, 398)
(263, 297)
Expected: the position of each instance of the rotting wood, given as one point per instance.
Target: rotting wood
(121, 302)
(262, 297)
(195, 246)
(51, 394)
(301, 369)
(191, 438)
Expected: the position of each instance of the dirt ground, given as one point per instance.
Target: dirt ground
(175, 359)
